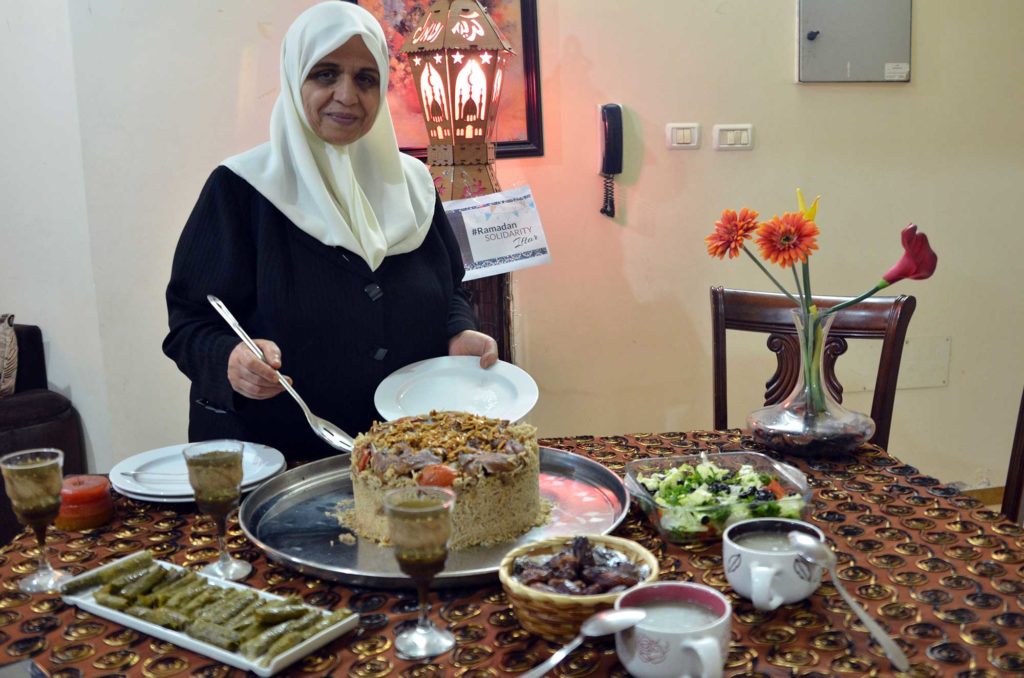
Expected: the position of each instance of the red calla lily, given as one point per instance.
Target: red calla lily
(918, 261)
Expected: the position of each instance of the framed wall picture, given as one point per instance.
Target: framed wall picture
(519, 127)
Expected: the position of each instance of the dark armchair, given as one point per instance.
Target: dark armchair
(35, 416)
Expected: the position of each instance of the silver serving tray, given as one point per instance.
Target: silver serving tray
(290, 518)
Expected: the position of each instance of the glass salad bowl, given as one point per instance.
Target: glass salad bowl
(693, 498)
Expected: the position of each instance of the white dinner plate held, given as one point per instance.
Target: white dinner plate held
(502, 391)
(162, 474)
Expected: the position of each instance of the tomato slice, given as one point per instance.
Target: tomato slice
(364, 460)
(437, 475)
(776, 488)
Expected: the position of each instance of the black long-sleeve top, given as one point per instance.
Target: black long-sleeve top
(341, 327)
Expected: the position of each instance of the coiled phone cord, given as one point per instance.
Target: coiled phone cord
(609, 195)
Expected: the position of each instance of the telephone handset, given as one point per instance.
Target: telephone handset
(611, 153)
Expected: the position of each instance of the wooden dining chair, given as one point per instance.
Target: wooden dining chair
(878, 318)
(1013, 491)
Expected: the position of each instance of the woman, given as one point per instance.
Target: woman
(328, 243)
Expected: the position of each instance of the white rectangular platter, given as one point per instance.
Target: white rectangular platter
(86, 601)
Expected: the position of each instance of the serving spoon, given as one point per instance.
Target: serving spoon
(598, 624)
(330, 433)
(819, 553)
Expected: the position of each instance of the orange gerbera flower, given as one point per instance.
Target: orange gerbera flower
(787, 240)
(730, 232)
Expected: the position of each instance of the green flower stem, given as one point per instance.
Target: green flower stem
(812, 361)
(838, 307)
(806, 266)
(799, 289)
(772, 277)
(811, 344)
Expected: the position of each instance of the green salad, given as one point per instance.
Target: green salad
(705, 498)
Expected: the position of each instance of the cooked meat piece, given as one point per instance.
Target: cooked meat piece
(567, 586)
(542, 586)
(564, 565)
(583, 551)
(608, 578)
(381, 461)
(402, 458)
(489, 462)
(579, 569)
(532, 574)
(418, 460)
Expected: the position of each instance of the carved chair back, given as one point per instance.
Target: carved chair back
(878, 318)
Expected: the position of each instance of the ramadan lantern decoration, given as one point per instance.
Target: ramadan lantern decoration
(457, 55)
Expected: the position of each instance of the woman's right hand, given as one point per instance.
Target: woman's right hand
(252, 377)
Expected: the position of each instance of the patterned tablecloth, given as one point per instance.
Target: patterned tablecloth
(944, 574)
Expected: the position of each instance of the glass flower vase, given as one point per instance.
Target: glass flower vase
(810, 421)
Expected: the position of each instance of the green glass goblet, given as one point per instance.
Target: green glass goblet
(215, 473)
(419, 525)
(33, 480)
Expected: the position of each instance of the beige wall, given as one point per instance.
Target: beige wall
(46, 259)
(127, 106)
(617, 329)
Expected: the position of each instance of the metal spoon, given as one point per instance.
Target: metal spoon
(598, 624)
(331, 434)
(819, 553)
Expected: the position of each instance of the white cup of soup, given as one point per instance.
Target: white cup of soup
(763, 567)
(686, 633)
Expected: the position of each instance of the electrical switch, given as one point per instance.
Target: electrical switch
(682, 135)
(733, 137)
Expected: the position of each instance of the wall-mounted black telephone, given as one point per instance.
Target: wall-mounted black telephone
(611, 153)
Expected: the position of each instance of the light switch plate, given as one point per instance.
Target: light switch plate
(682, 136)
(733, 137)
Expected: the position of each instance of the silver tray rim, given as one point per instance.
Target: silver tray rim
(293, 480)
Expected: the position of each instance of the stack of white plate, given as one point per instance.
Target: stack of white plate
(161, 475)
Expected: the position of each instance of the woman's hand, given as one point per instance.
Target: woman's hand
(471, 342)
(252, 377)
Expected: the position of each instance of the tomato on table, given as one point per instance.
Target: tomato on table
(437, 475)
(776, 488)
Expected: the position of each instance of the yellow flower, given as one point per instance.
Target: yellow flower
(808, 213)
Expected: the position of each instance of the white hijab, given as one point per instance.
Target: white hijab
(365, 196)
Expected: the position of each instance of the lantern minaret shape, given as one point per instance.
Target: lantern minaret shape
(457, 56)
